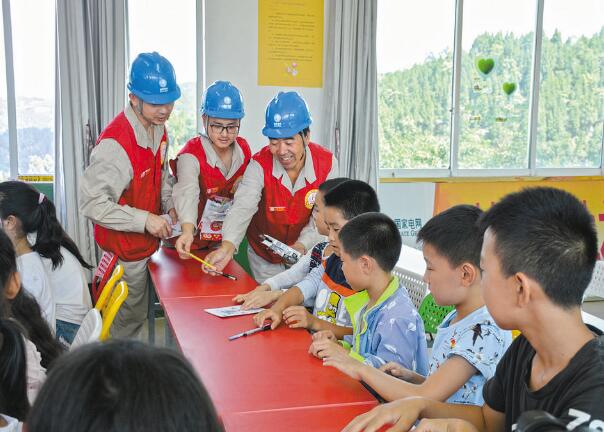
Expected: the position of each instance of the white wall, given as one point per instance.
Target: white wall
(231, 41)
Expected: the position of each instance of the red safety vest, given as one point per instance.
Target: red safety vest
(281, 214)
(211, 181)
(143, 192)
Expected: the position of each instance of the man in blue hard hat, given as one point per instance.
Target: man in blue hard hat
(125, 188)
(277, 193)
(208, 169)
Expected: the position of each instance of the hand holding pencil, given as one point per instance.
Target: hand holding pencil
(211, 267)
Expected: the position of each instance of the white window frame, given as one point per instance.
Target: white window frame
(533, 119)
(11, 101)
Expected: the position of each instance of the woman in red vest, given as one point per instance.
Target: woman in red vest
(125, 187)
(277, 193)
(208, 169)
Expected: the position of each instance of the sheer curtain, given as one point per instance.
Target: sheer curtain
(350, 91)
(91, 73)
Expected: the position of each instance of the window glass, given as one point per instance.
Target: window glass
(415, 64)
(4, 147)
(497, 43)
(149, 21)
(33, 34)
(571, 95)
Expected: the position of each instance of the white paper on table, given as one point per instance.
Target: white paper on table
(231, 311)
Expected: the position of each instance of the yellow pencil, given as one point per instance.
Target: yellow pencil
(207, 264)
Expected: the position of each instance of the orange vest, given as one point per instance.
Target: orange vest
(281, 214)
(211, 181)
(143, 192)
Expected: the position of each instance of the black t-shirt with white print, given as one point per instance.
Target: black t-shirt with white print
(575, 395)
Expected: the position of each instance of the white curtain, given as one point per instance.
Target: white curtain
(90, 91)
(350, 90)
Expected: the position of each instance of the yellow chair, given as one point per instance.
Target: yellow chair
(118, 272)
(118, 296)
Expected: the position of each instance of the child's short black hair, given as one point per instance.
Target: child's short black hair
(549, 235)
(123, 385)
(375, 235)
(352, 198)
(455, 234)
(329, 184)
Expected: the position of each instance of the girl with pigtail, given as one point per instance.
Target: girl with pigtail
(46, 257)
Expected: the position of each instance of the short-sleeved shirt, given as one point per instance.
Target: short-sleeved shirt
(390, 330)
(477, 339)
(575, 394)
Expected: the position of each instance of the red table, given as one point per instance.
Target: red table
(267, 379)
(269, 370)
(316, 419)
(176, 278)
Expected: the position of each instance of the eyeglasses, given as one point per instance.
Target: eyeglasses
(218, 128)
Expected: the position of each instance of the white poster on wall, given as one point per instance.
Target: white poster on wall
(410, 205)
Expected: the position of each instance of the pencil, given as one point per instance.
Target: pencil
(207, 264)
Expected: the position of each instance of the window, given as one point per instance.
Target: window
(497, 44)
(522, 82)
(571, 95)
(414, 82)
(149, 24)
(27, 142)
(34, 65)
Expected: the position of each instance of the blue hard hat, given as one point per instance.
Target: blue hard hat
(153, 80)
(286, 115)
(222, 100)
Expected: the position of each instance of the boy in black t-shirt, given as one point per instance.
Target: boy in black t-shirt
(538, 254)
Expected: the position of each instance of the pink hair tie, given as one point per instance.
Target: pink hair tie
(41, 198)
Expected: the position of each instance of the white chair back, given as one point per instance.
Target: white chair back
(90, 329)
(596, 286)
(416, 287)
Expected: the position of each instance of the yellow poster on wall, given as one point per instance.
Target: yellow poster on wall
(290, 43)
(485, 194)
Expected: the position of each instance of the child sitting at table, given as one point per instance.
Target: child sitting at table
(468, 343)
(325, 287)
(123, 385)
(275, 286)
(538, 254)
(386, 325)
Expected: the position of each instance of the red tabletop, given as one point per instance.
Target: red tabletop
(317, 419)
(266, 371)
(176, 278)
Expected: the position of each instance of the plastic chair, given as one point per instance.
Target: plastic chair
(415, 285)
(596, 286)
(109, 311)
(108, 288)
(433, 314)
(102, 274)
(90, 329)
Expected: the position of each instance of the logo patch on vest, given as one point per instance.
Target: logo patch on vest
(277, 209)
(310, 198)
(211, 191)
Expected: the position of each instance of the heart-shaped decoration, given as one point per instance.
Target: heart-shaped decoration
(509, 87)
(485, 65)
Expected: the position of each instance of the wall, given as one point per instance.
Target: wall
(231, 29)
(416, 201)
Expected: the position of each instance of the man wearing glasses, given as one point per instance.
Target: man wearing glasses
(208, 169)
